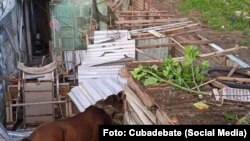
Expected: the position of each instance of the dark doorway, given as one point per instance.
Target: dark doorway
(37, 31)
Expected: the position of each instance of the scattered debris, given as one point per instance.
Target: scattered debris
(167, 102)
(230, 116)
(98, 74)
(241, 95)
(201, 105)
(245, 120)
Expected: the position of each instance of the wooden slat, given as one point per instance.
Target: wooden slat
(173, 44)
(168, 30)
(234, 79)
(145, 98)
(133, 116)
(162, 118)
(141, 116)
(157, 34)
(145, 16)
(151, 21)
(128, 119)
(136, 12)
(132, 98)
(207, 55)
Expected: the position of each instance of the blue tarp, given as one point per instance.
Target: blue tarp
(5, 7)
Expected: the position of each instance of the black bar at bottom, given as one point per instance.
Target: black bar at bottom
(178, 132)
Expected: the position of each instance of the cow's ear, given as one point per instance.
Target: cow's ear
(109, 109)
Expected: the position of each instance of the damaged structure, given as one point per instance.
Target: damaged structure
(42, 42)
(62, 56)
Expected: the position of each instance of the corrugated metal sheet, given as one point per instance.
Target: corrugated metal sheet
(160, 53)
(242, 95)
(108, 52)
(85, 72)
(98, 74)
(111, 35)
(92, 90)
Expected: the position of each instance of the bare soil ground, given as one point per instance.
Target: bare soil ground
(225, 39)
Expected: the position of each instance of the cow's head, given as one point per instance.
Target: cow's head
(112, 105)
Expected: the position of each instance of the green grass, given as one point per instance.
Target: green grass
(220, 14)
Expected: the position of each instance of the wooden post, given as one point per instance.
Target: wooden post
(28, 32)
(9, 112)
(67, 108)
(70, 108)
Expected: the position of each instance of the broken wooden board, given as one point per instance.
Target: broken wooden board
(148, 102)
(135, 102)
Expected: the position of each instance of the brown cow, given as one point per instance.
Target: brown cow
(82, 127)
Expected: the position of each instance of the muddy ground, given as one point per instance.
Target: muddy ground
(225, 39)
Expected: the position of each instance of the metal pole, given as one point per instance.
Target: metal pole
(37, 103)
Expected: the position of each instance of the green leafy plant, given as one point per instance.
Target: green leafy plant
(183, 75)
(230, 116)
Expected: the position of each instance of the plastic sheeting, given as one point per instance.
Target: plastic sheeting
(74, 19)
(3, 134)
(13, 135)
(6, 7)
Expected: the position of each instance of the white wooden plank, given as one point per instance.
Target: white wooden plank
(133, 98)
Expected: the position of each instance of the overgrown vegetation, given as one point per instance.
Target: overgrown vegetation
(184, 75)
(221, 14)
(232, 117)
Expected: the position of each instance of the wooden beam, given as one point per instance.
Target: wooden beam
(213, 54)
(132, 116)
(167, 30)
(145, 98)
(173, 44)
(157, 34)
(231, 57)
(151, 21)
(233, 70)
(134, 12)
(134, 99)
(234, 79)
(169, 35)
(180, 45)
(131, 26)
(162, 27)
(163, 118)
(135, 16)
(37, 103)
(28, 32)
